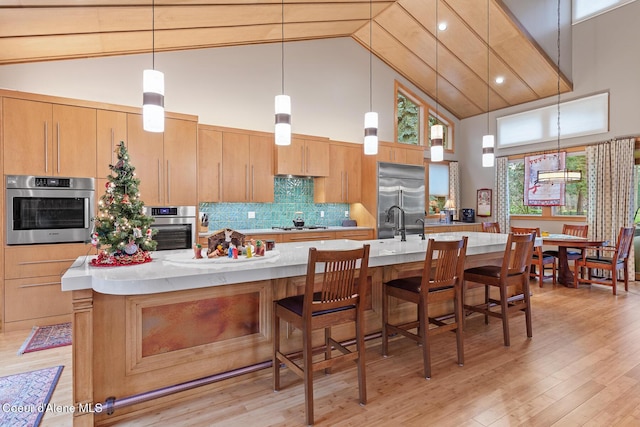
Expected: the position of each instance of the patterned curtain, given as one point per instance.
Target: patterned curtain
(454, 185)
(501, 194)
(610, 168)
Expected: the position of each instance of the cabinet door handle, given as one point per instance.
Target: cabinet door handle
(347, 175)
(159, 181)
(46, 148)
(219, 182)
(49, 261)
(246, 179)
(301, 159)
(168, 182)
(112, 146)
(341, 185)
(307, 160)
(58, 137)
(35, 285)
(253, 183)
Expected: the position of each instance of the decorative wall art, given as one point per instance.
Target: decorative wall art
(543, 194)
(483, 204)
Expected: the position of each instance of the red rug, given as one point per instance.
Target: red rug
(24, 398)
(44, 337)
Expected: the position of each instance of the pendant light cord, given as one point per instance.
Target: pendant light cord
(282, 46)
(153, 34)
(437, 1)
(370, 55)
(558, 81)
(488, 53)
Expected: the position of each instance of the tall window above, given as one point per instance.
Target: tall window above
(585, 9)
(414, 118)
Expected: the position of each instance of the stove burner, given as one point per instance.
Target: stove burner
(306, 227)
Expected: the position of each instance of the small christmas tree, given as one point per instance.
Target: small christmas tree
(122, 230)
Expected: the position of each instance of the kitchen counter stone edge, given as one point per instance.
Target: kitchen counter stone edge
(165, 274)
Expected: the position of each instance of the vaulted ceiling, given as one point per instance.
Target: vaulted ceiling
(402, 34)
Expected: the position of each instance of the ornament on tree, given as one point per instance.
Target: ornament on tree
(122, 230)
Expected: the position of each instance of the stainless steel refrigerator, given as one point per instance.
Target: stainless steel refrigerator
(403, 186)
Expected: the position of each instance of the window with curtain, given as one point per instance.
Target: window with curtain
(438, 186)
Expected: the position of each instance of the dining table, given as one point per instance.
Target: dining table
(563, 242)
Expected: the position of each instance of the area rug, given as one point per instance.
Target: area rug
(24, 397)
(44, 337)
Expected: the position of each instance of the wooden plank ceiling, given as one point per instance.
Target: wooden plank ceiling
(403, 35)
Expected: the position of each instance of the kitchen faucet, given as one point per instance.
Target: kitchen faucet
(402, 229)
(422, 221)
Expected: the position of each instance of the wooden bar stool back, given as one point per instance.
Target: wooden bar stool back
(491, 227)
(617, 258)
(341, 287)
(441, 281)
(514, 271)
(539, 259)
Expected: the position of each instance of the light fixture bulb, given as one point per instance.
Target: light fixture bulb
(153, 101)
(437, 149)
(283, 120)
(371, 133)
(487, 151)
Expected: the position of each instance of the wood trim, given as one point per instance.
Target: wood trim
(82, 355)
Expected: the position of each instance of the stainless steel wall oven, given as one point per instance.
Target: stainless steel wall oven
(48, 209)
(176, 226)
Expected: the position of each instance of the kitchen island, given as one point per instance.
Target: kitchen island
(145, 335)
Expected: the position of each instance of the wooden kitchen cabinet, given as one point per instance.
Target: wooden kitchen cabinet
(32, 276)
(247, 168)
(358, 234)
(308, 236)
(111, 129)
(209, 165)
(165, 162)
(343, 183)
(304, 157)
(48, 139)
(400, 153)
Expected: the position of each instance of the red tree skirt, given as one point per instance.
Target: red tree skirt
(105, 259)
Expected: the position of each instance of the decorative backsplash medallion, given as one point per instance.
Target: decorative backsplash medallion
(291, 195)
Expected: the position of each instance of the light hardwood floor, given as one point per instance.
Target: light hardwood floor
(582, 367)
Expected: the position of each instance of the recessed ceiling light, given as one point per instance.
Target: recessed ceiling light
(442, 26)
(499, 80)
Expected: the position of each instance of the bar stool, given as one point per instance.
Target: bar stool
(539, 258)
(513, 271)
(339, 300)
(441, 280)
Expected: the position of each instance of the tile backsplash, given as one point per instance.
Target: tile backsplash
(291, 195)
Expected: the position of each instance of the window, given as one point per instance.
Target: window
(584, 116)
(411, 126)
(438, 186)
(585, 9)
(576, 195)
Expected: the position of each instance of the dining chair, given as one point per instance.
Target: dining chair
(571, 230)
(332, 297)
(618, 259)
(514, 271)
(539, 259)
(440, 282)
(491, 227)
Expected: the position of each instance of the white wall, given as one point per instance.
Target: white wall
(328, 81)
(605, 58)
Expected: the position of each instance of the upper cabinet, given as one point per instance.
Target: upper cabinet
(304, 157)
(111, 131)
(343, 183)
(209, 165)
(400, 153)
(42, 138)
(165, 162)
(247, 167)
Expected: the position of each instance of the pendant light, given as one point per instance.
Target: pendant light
(562, 174)
(371, 118)
(153, 88)
(488, 141)
(283, 103)
(437, 130)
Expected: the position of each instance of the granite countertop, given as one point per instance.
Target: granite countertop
(178, 270)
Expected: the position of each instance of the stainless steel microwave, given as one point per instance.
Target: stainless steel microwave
(48, 209)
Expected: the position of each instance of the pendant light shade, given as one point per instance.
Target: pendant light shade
(437, 149)
(283, 120)
(153, 101)
(487, 151)
(371, 133)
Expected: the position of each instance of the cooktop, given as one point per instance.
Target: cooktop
(304, 227)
